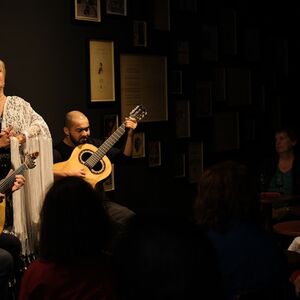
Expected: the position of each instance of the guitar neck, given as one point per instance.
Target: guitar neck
(107, 145)
(7, 182)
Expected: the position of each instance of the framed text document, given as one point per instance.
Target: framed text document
(144, 81)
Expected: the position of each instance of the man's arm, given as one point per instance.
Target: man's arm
(131, 125)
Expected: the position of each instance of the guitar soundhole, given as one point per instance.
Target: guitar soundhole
(97, 168)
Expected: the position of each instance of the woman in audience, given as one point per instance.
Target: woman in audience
(165, 257)
(227, 205)
(74, 236)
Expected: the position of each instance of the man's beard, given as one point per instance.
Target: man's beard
(81, 141)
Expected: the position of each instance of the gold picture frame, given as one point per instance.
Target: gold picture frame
(102, 73)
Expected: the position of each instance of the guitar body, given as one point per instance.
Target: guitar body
(2, 214)
(80, 154)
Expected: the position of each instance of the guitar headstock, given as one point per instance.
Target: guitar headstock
(138, 113)
(30, 160)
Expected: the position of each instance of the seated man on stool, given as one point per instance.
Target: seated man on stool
(77, 132)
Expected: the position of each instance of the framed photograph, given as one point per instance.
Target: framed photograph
(102, 73)
(111, 123)
(183, 52)
(139, 34)
(138, 145)
(182, 108)
(116, 7)
(87, 10)
(209, 39)
(195, 150)
(176, 82)
(154, 158)
(109, 182)
(161, 14)
(179, 165)
(144, 81)
(203, 98)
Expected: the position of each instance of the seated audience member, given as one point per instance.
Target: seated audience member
(74, 236)
(227, 205)
(281, 172)
(165, 257)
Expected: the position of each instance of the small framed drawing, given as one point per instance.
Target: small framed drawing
(116, 7)
(154, 157)
(102, 73)
(110, 125)
(87, 10)
(138, 145)
(109, 182)
(139, 34)
(182, 108)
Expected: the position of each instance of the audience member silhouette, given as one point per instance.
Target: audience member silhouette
(165, 257)
(227, 204)
(74, 236)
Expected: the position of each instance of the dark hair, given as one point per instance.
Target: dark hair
(291, 133)
(226, 192)
(74, 224)
(165, 257)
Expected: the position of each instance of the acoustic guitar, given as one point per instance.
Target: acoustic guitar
(7, 182)
(93, 160)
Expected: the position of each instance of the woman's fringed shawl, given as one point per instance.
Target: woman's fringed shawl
(27, 201)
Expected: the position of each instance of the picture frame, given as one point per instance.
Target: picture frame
(102, 73)
(203, 103)
(176, 82)
(116, 7)
(138, 150)
(182, 112)
(109, 182)
(139, 34)
(154, 154)
(144, 82)
(111, 124)
(179, 165)
(195, 161)
(87, 10)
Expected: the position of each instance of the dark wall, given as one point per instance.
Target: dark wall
(46, 53)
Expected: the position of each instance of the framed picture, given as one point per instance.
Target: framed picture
(179, 165)
(109, 182)
(176, 82)
(195, 150)
(116, 7)
(203, 98)
(144, 81)
(138, 145)
(110, 125)
(139, 34)
(87, 10)
(102, 73)
(182, 118)
(154, 158)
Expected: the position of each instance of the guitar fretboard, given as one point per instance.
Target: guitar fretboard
(6, 183)
(102, 150)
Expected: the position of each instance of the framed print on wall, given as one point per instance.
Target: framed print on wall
(87, 10)
(102, 73)
(154, 157)
(139, 34)
(116, 7)
(138, 145)
(109, 182)
(111, 123)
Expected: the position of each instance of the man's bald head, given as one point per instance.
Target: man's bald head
(72, 117)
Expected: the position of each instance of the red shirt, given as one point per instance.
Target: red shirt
(48, 281)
